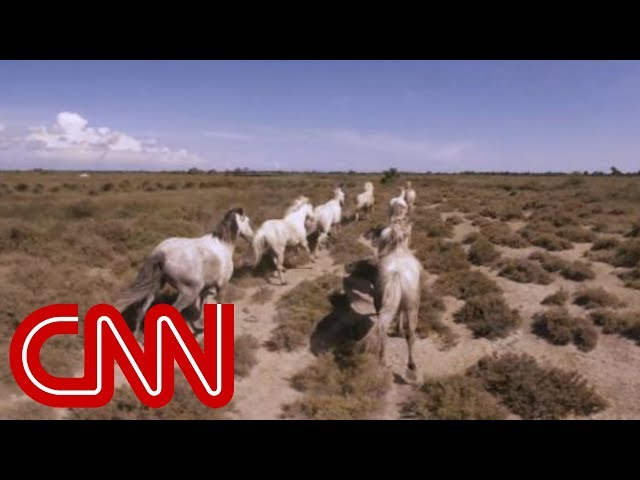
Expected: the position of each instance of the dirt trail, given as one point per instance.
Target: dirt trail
(262, 393)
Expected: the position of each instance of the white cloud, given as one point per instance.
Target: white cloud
(71, 139)
(5, 138)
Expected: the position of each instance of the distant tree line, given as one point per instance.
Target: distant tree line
(388, 175)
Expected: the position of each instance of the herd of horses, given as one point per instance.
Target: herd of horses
(200, 268)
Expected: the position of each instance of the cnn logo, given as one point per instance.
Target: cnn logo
(168, 340)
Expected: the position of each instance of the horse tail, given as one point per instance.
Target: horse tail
(389, 301)
(391, 298)
(149, 279)
(259, 246)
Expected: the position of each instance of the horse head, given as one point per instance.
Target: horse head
(387, 238)
(234, 222)
(339, 195)
(368, 187)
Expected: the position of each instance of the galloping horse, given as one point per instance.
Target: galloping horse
(199, 268)
(277, 234)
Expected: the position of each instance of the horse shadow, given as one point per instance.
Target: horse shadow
(344, 327)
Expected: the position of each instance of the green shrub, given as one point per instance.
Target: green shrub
(560, 297)
(439, 256)
(597, 297)
(627, 254)
(298, 311)
(457, 397)
(465, 284)
(524, 271)
(558, 327)
(482, 252)
(631, 278)
(500, 234)
(352, 388)
(605, 243)
(535, 392)
(488, 316)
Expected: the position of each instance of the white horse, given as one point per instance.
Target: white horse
(293, 229)
(199, 268)
(397, 289)
(398, 207)
(410, 196)
(364, 200)
(329, 214)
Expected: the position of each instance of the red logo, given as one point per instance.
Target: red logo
(108, 339)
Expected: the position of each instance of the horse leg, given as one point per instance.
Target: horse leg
(188, 295)
(280, 266)
(207, 296)
(305, 245)
(322, 238)
(410, 334)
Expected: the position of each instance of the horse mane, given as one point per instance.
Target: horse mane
(227, 229)
(395, 235)
(297, 204)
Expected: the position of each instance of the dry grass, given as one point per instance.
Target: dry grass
(458, 397)
(576, 234)
(558, 327)
(438, 255)
(605, 243)
(631, 278)
(298, 311)
(464, 284)
(627, 254)
(524, 271)
(488, 316)
(262, 295)
(536, 392)
(626, 324)
(429, 223)
(345, 247)
(548, 241)
(430, 318)
(75, 240)
(126, 406)
(482, 252)
(27, 409)
(551, 263)
(244, 351)
(346, 389)
(576, 270)
(501, 234)
(596, 297)
(560, 297)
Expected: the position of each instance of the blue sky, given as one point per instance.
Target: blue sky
(321, 115)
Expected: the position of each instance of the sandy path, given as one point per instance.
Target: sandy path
(266, 389)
